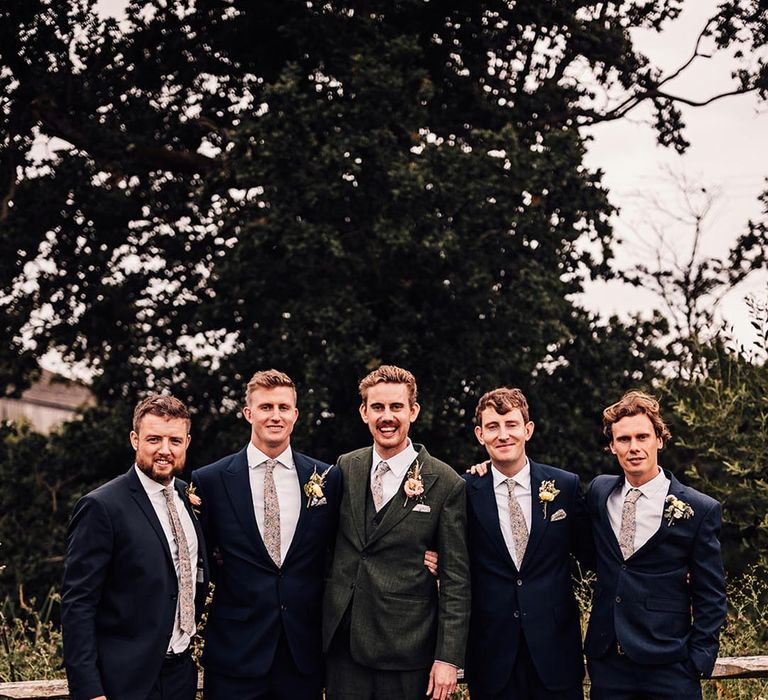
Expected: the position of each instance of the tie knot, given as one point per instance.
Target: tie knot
(382, 468)
(632, 495)
(271, 464)
(168, 492)
(511, 484)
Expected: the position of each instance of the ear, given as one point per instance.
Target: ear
(363, 412)
(415, 411)
(247, 414)
(189, 439)
(479, 434)
(529, 426)
(611, 447)
(661, 443)
(135, 440)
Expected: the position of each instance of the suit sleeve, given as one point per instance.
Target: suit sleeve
(454, 600)
(582, 541)
(707, 593)
(89, 552)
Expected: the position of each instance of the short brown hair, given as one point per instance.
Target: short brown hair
(634, 403)
(160, 405)
(269, 379)
(503, 400)
(389, 374)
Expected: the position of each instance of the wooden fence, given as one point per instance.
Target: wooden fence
(726, 667)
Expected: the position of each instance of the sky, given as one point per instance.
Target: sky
(728, 155)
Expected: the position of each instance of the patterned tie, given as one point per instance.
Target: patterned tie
(377, 485)
(628, 523)
(517, 519)
(186, 601)
(271, 513)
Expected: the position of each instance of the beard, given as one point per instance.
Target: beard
(162, 475)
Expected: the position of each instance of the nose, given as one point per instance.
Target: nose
(503, 433)
(165, 446)
(387, 413)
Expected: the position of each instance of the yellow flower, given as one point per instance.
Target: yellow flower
(546, 497)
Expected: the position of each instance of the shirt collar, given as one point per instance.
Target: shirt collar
(522, 478)
(398, 464)
(150, 485)
(256, 457)
(649, 488)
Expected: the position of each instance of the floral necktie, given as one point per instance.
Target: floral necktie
(271, 513)
(377, 485)
(186, 600)
(628, 523)
(517, 519)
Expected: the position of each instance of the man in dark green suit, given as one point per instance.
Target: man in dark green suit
(388, 632)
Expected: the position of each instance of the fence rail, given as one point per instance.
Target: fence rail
(726, 667)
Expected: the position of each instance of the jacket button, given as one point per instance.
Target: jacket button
(519, 582)
(516, 614)
(283, 608)
(618, 598)
(623, 567)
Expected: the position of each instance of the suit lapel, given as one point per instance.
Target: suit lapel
(484, 502)
(539, 523)
(237, 484)
(201, 554)
(400, 507)
(142, 500)
(675, 489)
(605, 522)
(358, 483)
(304, 469)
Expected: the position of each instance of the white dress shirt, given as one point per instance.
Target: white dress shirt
(522, 494)
(649, 507)
(179, 640)
(398, 466)
(288, 492)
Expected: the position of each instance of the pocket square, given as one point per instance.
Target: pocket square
(422, 508)
(559, 515)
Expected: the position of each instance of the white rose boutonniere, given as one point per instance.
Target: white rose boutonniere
(676, 510)
(194, 500)
(414, 484)
(547, 493)
(313, 489)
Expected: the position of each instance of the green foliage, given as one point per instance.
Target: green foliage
(30, 644)
(42, 478)
(721, 428)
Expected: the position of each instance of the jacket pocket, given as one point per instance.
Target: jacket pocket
(668, 605)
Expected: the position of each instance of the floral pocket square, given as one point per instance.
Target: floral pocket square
(422, 508)
(559, 515)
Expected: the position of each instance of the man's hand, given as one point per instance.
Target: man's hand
(101, 697)
(216, 554)
(480, 469)
(430, 561)
(442, 681)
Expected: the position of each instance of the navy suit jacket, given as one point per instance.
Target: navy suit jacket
(118, 599)
(254, 598)
(537, 601)
(666, 603)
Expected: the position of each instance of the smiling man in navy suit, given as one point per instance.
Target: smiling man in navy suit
(524, 521)
(659, 600)
(271, 513)
(136, 572)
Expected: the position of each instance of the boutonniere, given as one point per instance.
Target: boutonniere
(313, 489)
(676, 510)
(194, 500)
(547, 493)
(414, 484)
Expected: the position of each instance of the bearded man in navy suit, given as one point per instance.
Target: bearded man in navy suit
(659, 600)
(271, 513)
(136, 572)
(525, 519)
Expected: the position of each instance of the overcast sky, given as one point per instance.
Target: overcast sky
(729, 153)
